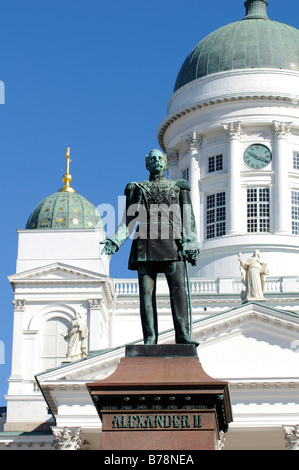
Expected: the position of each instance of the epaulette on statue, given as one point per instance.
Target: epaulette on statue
(183, 184)
(130, 187)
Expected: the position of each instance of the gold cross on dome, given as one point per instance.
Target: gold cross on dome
(67, 178)
(68, 160)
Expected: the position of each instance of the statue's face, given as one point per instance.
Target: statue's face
(155, 162)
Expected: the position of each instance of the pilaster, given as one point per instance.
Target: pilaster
(94, 323)
(282, 199)
(234, 131)
(19, 309)
(194, 142)
(172, 160)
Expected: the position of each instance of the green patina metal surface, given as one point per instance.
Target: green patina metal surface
(65, 210)
(254, 42)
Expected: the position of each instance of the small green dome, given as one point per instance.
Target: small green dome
(254, 42)
(65, 210)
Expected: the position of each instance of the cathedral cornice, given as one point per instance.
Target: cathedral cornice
(195, 106)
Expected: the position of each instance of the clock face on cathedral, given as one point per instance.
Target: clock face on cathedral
(257, 156)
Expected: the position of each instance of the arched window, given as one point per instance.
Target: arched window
(53, 344)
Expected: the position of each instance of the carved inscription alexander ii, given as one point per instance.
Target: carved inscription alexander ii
(170, 421)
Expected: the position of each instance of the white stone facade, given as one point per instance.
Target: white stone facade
(210, 123)
(223, 114)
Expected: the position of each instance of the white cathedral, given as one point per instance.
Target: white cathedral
(232, 131)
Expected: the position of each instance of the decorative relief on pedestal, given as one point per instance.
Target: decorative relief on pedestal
(292, 437)
(281, 130)
(233, 130)
(67, 439)
(19, 305)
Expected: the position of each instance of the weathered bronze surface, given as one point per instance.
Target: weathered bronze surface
(165, 239)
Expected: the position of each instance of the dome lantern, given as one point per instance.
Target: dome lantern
(255, 9)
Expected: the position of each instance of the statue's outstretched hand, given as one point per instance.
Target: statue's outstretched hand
(109, 247)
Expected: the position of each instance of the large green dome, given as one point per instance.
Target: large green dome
(254, 42)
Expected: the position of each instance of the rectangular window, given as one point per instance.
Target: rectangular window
(295, 212)
(296, 160)
(216, 215)
(215, 163)
(186, 174)
(258, 210)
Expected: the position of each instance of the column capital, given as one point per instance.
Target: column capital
(19, 304)
(281, 130)
(292, 437)
(172, 157)
(95, 304)
(194, 140)
(233, 130)
(67, 438)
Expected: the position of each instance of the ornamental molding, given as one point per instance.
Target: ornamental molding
(194, 141)
(292, 437)
(195, 106)
(95, 304)
(172, 157)
(62, 276)
(42, 272)
(67, 438)
(233, 130)
(19, 305)
(281, 130)
(266, 385)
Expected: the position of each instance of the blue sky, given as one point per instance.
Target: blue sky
(95, 76)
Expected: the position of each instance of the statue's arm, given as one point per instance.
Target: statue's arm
(113, 243)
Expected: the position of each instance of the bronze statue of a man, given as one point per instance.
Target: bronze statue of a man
(165, 238)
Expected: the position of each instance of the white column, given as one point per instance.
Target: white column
(17, 349)
(172, 161)
(98, 334)
(194, 142)
(282, 197)
(234, 132)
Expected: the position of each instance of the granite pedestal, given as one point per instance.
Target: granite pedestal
(160, 398)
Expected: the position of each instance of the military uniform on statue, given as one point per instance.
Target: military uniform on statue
(165, 240)
(159, 375)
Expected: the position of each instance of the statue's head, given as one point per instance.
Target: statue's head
(257, 253)
(156, 161)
